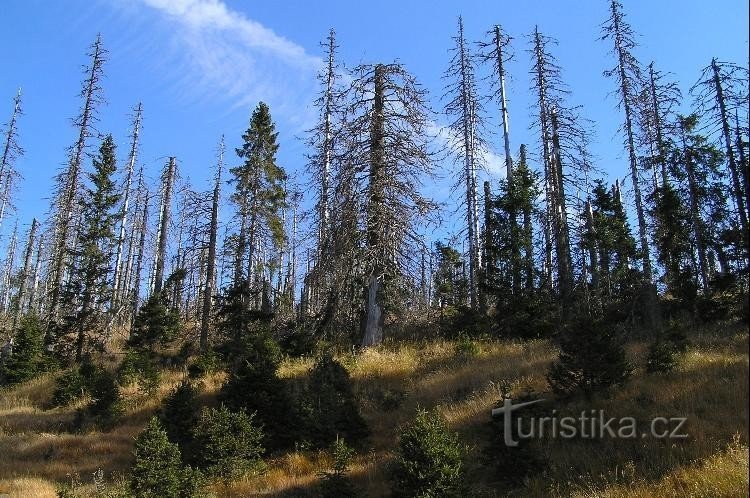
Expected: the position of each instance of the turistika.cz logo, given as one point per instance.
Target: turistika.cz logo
(591, 424)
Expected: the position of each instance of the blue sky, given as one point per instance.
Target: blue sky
(200, 66)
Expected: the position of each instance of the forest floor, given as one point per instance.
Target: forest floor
(38, 451)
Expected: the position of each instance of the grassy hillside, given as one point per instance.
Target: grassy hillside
(38, 450)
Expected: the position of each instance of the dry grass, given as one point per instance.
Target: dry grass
(38, 449)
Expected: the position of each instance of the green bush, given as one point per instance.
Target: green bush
(662, 357)
(592, 359)
(180, 416)
(75, 383)
(228, 444)
(336, 483)
(105, 407)
(155, 324)
(333, 409)
(429, 461)
(205, 363)
(26, 360)
(254, 387)
(466, 348)
(158, 471)
(140, 366)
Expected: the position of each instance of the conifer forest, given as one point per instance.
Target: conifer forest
(344, 329)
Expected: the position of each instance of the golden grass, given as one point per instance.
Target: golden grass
(38, 450)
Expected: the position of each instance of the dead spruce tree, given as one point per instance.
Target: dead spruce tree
(629, 77)
(464, 109)
(168, 180)
(563, 138)
(11, 152)
(497, 52)
(8, 270)
(389, 153)
(209, 287)
(67, 189)
(721, 91)
(321, 140)
(23, 277)
(125, 215)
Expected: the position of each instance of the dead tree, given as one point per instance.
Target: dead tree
(718, 92)
(628, 76)
(165, 209)
(120, 266)
(11, 151)
(389, 154)
(464, 108)
(67, 189)
(497, 52)
(9, 268)
(208, 291)
(23, 277)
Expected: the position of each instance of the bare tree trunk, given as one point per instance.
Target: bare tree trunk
(136, 289)
(24, 276)
(700, 240)
(11, 150)
(733, 170)
(211, 260)
(33, 295)
(10, 262)
(166, 204)
(545, 140)
(373, 332)
(560, 221)
(118, 279)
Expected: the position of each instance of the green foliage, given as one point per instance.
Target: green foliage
(592, 358)
(429, 459)
(158, 471)
(140, 366)
(450, 284)
(180, 416)
(87, 292)
(155, 324)
(26, 360)
(228, 443)
(466, 348)
(335, 483)
(661, 357)
(204, 364)
(75, 383)
(526, 315)
(333, 409)
(105, 406)
(253, 386)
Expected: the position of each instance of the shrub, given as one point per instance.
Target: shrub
(333, 409)
(228, 443)
(429, 459)
(158, 471)
(592, 359)
(26, 360)
(155, 324)
(206, 363)
(105, 406)
(180, 416)
(75, 383)
(466, 348)
(335, 483)
(140, 366)
(254, 387)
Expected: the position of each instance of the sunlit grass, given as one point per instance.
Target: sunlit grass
(39, 447)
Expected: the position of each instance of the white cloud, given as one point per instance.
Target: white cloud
(222, 53)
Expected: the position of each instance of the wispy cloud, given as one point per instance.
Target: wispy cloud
(231, 56)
